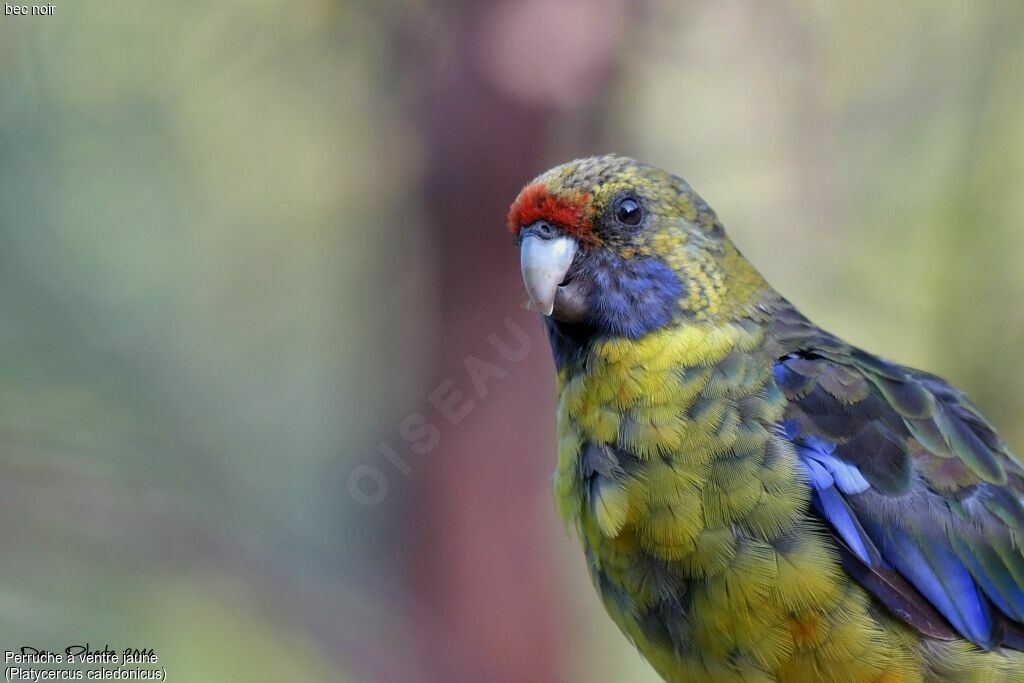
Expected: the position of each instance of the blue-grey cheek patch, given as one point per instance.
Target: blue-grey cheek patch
(633, 297)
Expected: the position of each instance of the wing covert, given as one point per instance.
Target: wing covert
(924, 498)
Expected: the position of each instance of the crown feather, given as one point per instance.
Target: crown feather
(569, 212)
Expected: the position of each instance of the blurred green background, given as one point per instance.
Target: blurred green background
(265, 404)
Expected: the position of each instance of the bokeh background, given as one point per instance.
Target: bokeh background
(266, 404)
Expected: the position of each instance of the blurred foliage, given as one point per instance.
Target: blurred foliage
(216, 291)
(188, 304)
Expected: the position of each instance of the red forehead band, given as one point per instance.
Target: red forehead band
(537, 203)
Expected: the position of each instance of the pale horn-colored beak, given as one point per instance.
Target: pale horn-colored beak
(544, 263)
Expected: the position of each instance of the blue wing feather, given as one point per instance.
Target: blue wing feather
(939, 554)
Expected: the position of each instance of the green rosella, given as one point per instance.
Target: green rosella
(757, 499)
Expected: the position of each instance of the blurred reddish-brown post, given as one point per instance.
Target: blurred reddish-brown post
(486, 111)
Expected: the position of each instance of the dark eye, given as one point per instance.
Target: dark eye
(629, 212)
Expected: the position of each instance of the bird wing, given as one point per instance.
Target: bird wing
(921, 494)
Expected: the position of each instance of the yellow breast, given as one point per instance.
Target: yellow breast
(694, 517)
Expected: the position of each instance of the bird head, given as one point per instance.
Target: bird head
(616, 247)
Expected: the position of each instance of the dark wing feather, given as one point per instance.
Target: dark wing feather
(923, 496)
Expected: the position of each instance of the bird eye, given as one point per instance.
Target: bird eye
(629, 212)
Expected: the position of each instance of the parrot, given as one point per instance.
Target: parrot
(758, 500)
